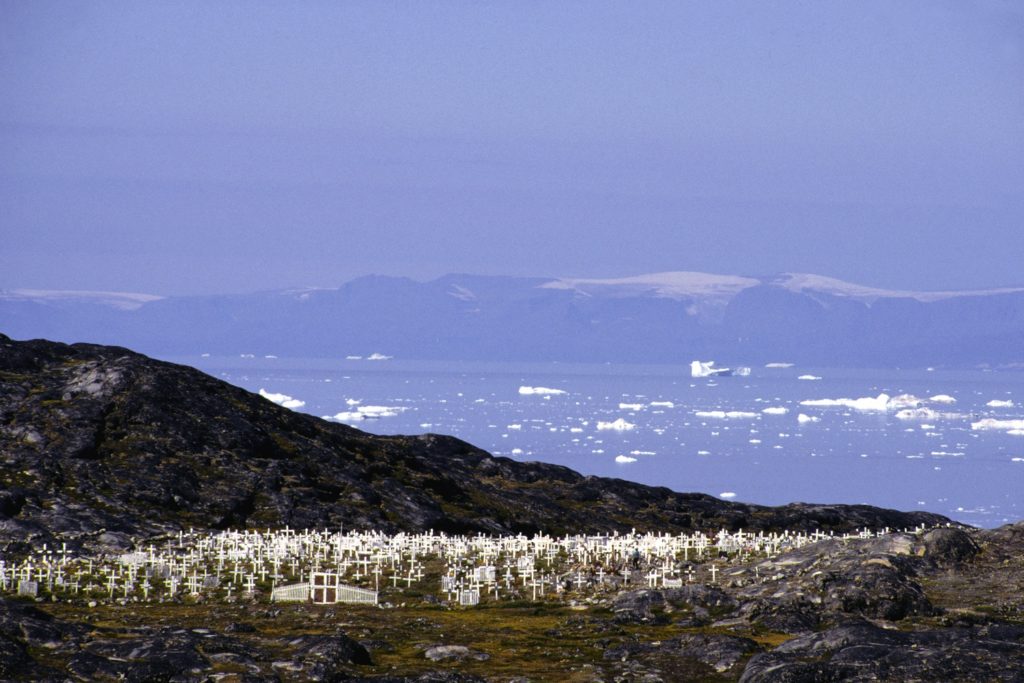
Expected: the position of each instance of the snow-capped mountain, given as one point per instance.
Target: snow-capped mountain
(660, 318)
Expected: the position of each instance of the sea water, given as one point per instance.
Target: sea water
(750, 439)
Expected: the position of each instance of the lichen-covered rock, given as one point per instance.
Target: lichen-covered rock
(718, 651)
(948, 546)
(861, 651)
(634, 607)
(440, 653)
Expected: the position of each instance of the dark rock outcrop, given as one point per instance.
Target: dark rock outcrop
(861, 651)
(718, 651)
(100, 439)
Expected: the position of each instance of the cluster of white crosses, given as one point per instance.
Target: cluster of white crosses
(328, 567)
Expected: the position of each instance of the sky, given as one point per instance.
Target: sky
(215, 146)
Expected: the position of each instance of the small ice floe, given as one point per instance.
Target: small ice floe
(866, 404)
(631, 406)
(517, 451)
(540, 391)
(809, 378)
(703, 452)
(426, 425)
(378, 356)
(805, 419)
(775, 410)
(778, 365)
(514, 426)
(725, 414)
(624, 459)
(997, 403)
(353, 357)
(247, 355)
(618, 425)
(270, 357)
(366, 413)
(916, 414)
(282, 399)
(942, 398)
(727, 494)
(642, 453)
(662, 404)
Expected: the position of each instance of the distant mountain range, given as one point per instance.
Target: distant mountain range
(658, 318)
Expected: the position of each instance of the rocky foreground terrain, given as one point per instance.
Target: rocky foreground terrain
(102, 448)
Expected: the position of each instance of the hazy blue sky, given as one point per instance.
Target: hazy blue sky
(183, 147)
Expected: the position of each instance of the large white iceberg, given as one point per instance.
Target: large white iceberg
(1011, 426)
(708, 369)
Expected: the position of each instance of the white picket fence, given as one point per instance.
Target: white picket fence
(300, 592)
(296, 592)
(353, 595)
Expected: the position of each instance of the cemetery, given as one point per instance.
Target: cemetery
(324, 568)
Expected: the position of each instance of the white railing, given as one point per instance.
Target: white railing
(351, 594)
(296, 592)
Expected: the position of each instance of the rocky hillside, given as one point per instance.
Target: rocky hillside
(100, 439)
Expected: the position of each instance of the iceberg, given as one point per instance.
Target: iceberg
(365, 413)
(1010, 426)
(725, 414)
(917, 414)
(708, 369)
(540, 391)
(775, 410)
(624, 459)
(282, 399)
(880, 403)
(619, 425)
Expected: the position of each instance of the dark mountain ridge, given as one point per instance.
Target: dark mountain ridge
(99, 438)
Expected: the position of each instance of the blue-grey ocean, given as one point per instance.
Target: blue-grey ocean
(950, 442)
